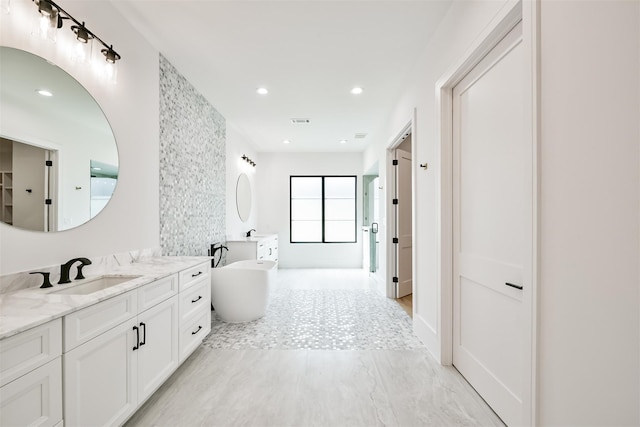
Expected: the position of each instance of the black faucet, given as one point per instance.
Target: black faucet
(249, 232)
(64, 270)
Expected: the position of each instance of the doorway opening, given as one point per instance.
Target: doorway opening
(400, 212)
(371, 224)
(27, 186)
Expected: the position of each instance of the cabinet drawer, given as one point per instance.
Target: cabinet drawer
(90, 322)
(190, 276)
(34, 398)
(26, 351)
(156, 292)
(192, 333)
(193, 299)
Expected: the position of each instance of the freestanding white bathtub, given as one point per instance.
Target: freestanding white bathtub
(240, 291)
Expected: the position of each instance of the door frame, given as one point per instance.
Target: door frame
(527, 11)
(390, 230)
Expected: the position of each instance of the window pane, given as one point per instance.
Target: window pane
(306, 209)
(344, 209)
(340, 187)
(306, 231)
(306, 187)
(340, 231)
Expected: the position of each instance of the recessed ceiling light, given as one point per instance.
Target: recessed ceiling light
(343, 141)
(44, 92)
(286, 141)
(356, 90)
(262, 90)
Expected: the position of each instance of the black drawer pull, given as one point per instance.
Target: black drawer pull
(137, 346)
(197, 274)
(197, 299)
(144, 333)
(513, 286)
(196, 331)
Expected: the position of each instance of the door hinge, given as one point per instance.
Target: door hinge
(395, 240)
(48, 162)
(395, 201)
(47, 201)
(395, 162)
(395, 280)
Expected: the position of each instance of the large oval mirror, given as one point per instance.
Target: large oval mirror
(243, 197)
(58, 155)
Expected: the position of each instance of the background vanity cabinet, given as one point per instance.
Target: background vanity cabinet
(195, 308)
(31, 377)
(265, 248)
(109, 373)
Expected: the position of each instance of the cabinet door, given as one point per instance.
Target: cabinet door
(34, 399)
(100, 378)
(158, 354)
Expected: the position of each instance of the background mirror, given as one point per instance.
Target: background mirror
(55, 143)
(243, 197)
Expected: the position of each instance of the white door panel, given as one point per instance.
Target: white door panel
(489, 227)
(404, 225)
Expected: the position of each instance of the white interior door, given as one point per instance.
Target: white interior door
(490, 203)
(29, 186)
(403, 224)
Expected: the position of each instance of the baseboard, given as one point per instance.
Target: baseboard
(428, 335)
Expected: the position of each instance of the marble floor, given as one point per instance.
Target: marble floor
(331, 351)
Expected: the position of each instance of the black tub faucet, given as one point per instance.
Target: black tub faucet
(64, 270)
(249, 232)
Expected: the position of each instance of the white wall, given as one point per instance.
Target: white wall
(273, 198)
(130, 221)
(589, 283)
(588, 311)
(237, 145)
(460, 27)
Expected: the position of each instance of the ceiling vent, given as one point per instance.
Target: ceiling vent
(300, 121)
(360, 136)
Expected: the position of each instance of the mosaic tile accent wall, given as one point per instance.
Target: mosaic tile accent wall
(192, 167)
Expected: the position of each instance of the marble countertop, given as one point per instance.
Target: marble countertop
(253, 238)
(24, 309)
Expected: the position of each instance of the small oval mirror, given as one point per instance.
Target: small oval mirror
(243, 197)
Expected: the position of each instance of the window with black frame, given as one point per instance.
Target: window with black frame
(323, 209)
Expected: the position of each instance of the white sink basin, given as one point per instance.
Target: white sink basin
(94, 285)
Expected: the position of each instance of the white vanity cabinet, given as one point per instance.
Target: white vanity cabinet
(195, 308)
(31, 377)
(262, 248)
(108, 376)
(96, 366)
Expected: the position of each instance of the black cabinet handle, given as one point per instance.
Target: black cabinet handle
(197, 299)
(196, 331)
(513, 286)
(144, 333)
(197, 274)
(137, 346)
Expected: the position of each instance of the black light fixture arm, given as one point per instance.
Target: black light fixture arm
(248, 160)
(79, 29)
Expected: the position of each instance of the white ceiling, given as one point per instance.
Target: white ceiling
(308, 54)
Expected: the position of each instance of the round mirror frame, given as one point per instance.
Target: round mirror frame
(243, 197)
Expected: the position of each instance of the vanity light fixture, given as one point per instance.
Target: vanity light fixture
(356, 90)
(248, 160)
(51, 18)
(82, 49)
(262, 90)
